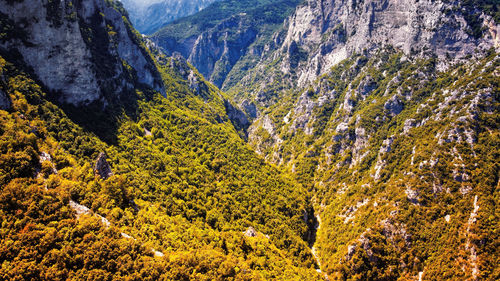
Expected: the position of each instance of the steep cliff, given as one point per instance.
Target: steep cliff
(320, 34)
(330, 31)
(82, 51)
(386, 111)
(227, 38)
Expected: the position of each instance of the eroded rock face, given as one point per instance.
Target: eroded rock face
(65, 42)
(102, 167)
(250, 108)
(217, 50)
(236, 115)
(250, 232)
(330, 31)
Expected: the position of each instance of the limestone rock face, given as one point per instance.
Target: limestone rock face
(330, 31)
(102, 167)
(250, 108)
(76, 49)
(236, 115)
(215, 59)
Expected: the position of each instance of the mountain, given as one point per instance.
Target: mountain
(147, 16)
(401, 159)
(386, 111)
(354, 140)
(227, 38)
(319, 35)
(118, 162)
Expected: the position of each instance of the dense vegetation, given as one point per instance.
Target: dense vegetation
(184, 183)
(397, 159)
(397, 153)
(232, 22)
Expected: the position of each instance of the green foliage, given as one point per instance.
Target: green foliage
(394, 148)
(261, 11)
(188, 188)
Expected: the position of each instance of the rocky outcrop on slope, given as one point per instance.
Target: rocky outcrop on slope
(330, 31)
(213, 58)
(102, 167)
(227, 38)
(236, 115)
(81, 51)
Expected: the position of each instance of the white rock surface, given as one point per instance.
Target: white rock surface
(55, 49)
(333, 30)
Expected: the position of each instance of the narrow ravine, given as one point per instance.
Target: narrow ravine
(317, 226)
(314, 250)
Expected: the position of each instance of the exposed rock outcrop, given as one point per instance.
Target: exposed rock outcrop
(102, 167)
(79, 51)
(414, 27)
(222, 42)
(250, 109)
(236, 115)
(250, 232)
(213, 58)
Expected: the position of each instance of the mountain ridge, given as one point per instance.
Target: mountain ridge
(330, 119)
(150, 16)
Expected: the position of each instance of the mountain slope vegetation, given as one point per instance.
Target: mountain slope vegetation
(183, 186)
(366, 146)
(227, 38)
(402, 161)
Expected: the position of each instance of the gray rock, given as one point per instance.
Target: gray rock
(59, 45)
(249, 108)
(367, 86)
(102, 167)
(394, 105)
(216, 51)
(236, 115)
(331, 31)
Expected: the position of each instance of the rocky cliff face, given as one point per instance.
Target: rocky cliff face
(216, 51)
(80, 50)
(102, 167)
(320, 34)
(330, 31)
(226, 39)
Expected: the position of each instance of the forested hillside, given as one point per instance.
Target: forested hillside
(357, 140)
(227, 38)
(171, 198)
(403, 162)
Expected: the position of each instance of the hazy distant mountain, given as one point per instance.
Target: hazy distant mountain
(149, 15)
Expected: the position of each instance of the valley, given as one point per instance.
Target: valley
(249, 140)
